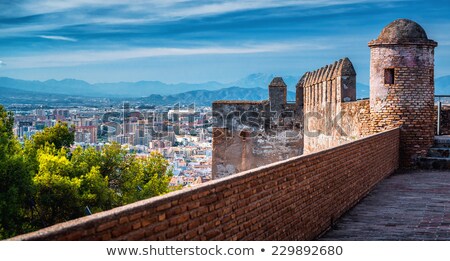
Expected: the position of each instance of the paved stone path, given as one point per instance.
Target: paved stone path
(406, 206)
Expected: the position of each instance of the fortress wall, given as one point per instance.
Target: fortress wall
(248, 134)
(231, 146)
(326, 92)
(355, 121)
(295, 199)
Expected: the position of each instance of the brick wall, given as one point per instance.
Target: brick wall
(408, 102)
(325, 91)
(295, 199)
(402, 87)
(356, 121)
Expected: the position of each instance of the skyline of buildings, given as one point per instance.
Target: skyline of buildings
(181, 134)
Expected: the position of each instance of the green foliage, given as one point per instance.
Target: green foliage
(60, 136)
(94, 191)
(43, 183)
(98, 179)
(154, 179)
(15, 180)
(57, 196)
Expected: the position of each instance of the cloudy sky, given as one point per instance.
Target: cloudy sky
(198, 41)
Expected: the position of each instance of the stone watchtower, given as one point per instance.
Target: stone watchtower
(402, 86)
(277, 94)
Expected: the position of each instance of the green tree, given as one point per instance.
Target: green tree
(59, 135)
(129, 178)
(43, 183)
(15, 180)
(57, 195)
(156, 175)
(94, 191)
(100, 180)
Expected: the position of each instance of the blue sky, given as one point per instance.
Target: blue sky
(198, 41)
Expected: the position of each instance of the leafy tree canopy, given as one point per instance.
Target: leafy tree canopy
(43, 183)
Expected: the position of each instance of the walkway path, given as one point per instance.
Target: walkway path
(409, 206)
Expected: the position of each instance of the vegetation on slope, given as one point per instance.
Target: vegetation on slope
(43, 183)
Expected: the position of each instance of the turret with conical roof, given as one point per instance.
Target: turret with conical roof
(402, 86)
(403, 31)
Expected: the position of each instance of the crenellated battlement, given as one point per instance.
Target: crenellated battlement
(277, 129)
(326, 112)
(324, 90)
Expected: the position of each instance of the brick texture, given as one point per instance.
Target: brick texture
(295, 199)
(407, 104)
(444, 120)
(404, 49)
(325, 91)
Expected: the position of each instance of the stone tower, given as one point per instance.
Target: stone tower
(402, 86)
(277, 94)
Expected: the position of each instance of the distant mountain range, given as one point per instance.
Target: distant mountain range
(205, 98)
(110, 90)
(137, 89)
(262, 80)
(252, 87)
(9, 96)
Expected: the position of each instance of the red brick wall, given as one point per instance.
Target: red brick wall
(295, 199)
(408, 103)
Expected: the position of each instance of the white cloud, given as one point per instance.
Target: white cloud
(238, 5)
(52, 6)
(221, 6)
(96, 56)
(58, 38)
(140, 11)
(70, 13)
(2, 63)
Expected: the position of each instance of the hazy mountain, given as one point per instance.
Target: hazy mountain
(7, 93)
(67, 86)
(130, 90)
(10, 96)
(135, 89)
(204, 97)
(262, 80)
(145, 88)
(121, 89)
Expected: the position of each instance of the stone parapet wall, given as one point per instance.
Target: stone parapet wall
(249, 134)
(351, 122)
(325, 90)
(294, 199)
(355, 120)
